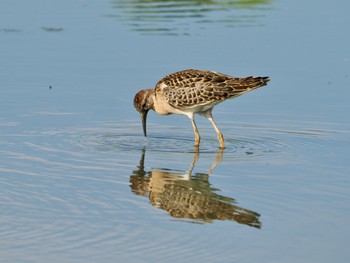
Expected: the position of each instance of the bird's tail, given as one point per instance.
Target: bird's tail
(251, 83)
(244, 85)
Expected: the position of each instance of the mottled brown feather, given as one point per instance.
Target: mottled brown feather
(192, 88)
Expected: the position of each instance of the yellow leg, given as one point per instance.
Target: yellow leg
(209, 116)
(197, 137)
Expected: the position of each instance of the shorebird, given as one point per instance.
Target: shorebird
(193, 91)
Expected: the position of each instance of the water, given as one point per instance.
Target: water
(80, 183)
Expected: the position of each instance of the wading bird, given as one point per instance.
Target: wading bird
(193, 91)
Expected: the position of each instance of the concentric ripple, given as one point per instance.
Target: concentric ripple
(174, 139)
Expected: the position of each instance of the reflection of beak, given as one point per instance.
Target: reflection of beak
(144, 118)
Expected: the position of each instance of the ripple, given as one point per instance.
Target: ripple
(179, 17)
(52, 29)
(68, 190)
(10, 30)
(57, 198)
(175, 139)
(246, 140)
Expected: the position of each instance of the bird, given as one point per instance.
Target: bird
(192, 91)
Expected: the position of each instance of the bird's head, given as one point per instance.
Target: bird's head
(143, 102)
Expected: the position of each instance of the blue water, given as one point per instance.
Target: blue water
(80, 183)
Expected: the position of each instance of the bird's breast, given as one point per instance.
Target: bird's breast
(162, 107)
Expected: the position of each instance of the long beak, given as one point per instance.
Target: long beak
(144, 118)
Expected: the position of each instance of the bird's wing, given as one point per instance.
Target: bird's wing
(192, 88)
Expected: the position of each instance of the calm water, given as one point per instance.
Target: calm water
(80, 183)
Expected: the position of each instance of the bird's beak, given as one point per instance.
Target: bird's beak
(143, 119)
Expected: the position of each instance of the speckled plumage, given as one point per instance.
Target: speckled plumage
(192, 88)
(193, 91)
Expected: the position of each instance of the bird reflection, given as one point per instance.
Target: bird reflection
(188, 196)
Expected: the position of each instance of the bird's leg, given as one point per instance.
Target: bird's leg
(195, 129)
(209, 116)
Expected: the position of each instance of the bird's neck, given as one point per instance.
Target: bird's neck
(150, 99)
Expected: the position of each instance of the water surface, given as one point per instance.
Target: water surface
(80, 183)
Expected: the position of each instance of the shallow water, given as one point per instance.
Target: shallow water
(80, 183)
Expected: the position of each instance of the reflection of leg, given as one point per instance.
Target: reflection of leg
(195, 154)
(218, 159)
(142, 160)
(194, 161)
(141, 167)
